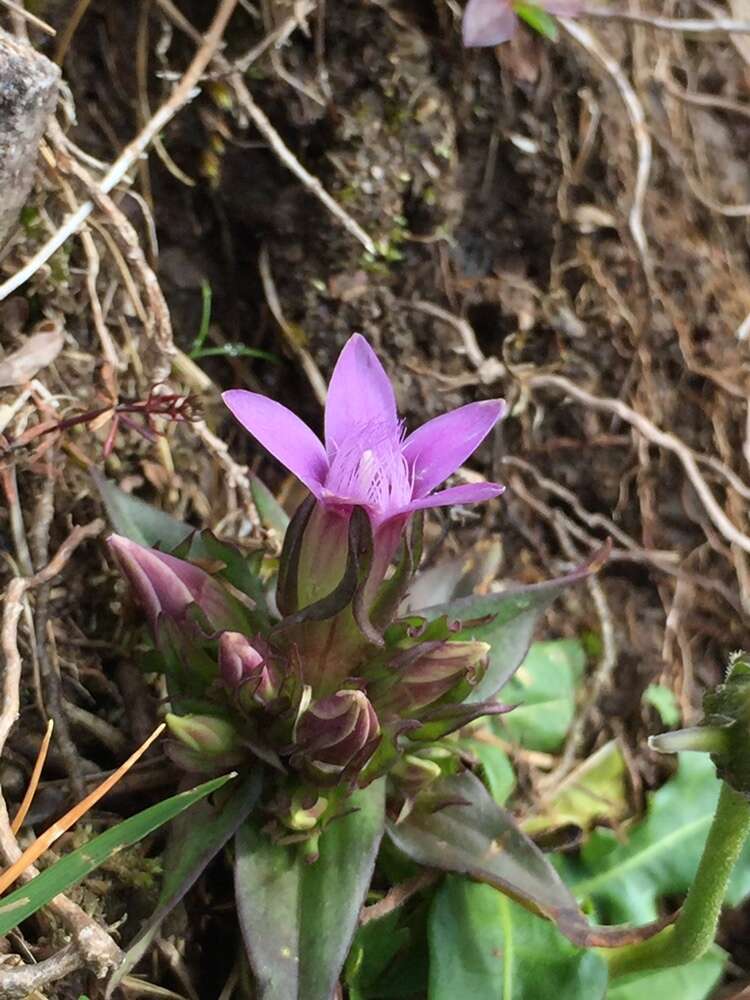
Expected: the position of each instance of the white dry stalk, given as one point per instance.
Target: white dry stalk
(184, 92)
(637, 117)
(655, 435)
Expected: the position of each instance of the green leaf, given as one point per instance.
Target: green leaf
(594, 790)
(74, 867)
(544, 689)
(481, 840)
(537, 19)
(694, 981)
(389, 957)
(496, 768)
(237, 570)
(138, 520)
(272, 515)
(373, 949)
(624, 880)
(298, 919)
(484, 945)
(515, 613)
(664, 701)
(194, 841)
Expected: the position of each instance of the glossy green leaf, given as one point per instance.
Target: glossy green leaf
(625, 879)
(138, 520)
(484, 945)
(595, 790)
(298, 919)
(481, 840)
(195, 839)
(544, 691)
(694, 981)
(514, 616)
(74, 867)
(272, 515)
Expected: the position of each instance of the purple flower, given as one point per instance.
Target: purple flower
(166, 585)
(368, 460)
(491, 22)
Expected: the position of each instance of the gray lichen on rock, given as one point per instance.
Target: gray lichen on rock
(28, 90)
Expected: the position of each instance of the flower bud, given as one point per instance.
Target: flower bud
(204, 734)
(427, 673)
(305, 811)
(414, 773)
(725, 730)
(337, 732)
(246, 672)
(166, 585)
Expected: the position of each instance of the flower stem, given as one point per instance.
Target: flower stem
(695, 928)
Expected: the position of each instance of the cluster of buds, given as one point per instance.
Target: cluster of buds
(329, 692)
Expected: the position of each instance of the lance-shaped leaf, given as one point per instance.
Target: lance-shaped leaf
(194, 842)
(138, 520)
(74, 867)
(481, 840)
(510, 629)
(298, 919)
(272, 515)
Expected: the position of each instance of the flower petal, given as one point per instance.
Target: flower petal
(466, 493)
(436, 449)
(360, 394)
(283, 434)
(488, 22)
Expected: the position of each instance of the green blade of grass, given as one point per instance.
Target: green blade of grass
(79, 863)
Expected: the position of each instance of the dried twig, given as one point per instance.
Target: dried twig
(593, 46)
(292, 338)
(12, 612)
(398, 895)
(685, 25)
(656, 436)
(181, 95)
(95, 946)
(272, 137)
(19, 9)
(33, 780)
(27, 980)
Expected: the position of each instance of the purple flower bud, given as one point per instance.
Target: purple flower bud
(166, 585)
(246, 671)
(205, 734)
(427, 673)
(336, 732)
